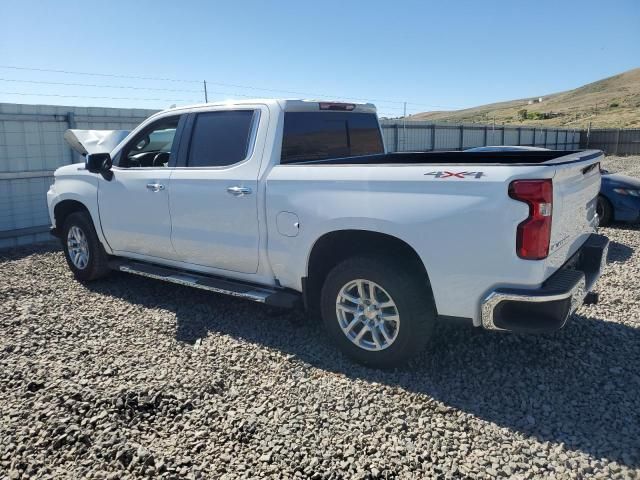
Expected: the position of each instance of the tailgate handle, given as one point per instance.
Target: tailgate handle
(586, 170)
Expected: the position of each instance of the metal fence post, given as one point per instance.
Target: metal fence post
(433, 136)
(461, 137)
(502, 140)
(617, 141)
(485, 135)
(519, 135)
(557, 131)
(395, 137)
(71, 121)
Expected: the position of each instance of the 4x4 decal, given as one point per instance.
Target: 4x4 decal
(446, 174)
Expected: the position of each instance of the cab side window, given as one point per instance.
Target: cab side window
(152, 147)
(220, 138)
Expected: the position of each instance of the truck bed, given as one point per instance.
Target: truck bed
(528, 158)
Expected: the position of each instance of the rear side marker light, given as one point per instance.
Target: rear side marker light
(533, 235)
(337, 106)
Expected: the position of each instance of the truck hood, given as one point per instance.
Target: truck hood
(94, 141)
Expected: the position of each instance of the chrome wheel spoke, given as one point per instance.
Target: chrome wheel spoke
(353, 323)
(389, 317)
(383, 330)
(376, 337)
(371, 291)
(350, 298)
(361, 334)
(348, 309)
(361, 290)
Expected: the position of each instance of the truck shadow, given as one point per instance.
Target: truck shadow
(576, 387)
(619, 252)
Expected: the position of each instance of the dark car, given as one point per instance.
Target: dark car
(619, 198)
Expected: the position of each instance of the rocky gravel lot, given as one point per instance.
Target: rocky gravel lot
(131, 377)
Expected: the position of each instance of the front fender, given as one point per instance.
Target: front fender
(73, 182)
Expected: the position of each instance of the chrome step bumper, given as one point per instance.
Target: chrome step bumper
(548, 307)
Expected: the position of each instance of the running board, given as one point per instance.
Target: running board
(256, 293)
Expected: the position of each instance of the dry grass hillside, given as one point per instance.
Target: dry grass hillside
(613, 102)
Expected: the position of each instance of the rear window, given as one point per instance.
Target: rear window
(220, 138)
(321, 135)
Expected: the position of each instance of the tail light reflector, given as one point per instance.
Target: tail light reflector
(534, 234)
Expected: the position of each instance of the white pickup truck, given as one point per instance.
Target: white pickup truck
(290, 201)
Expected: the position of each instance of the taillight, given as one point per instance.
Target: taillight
(534, 233)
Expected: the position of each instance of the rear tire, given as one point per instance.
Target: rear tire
(82, 248)
(347, 312)
(604, 210)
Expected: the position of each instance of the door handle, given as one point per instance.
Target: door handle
(238, 191)
(155, 187)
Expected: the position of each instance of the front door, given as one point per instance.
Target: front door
(134, 202)
(214, 196)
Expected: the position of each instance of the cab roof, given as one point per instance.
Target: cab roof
(291, 105)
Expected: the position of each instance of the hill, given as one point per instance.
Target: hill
(613, 102)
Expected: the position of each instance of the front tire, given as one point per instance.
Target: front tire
(377, 312)
(82, 248)
(604, 210)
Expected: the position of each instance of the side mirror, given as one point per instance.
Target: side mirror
(98, 162)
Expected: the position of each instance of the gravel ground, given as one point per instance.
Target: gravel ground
(131, 377)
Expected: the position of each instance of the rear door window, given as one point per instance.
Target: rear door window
(322, 135)
(220, 138)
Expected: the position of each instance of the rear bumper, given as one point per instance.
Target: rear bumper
(548, 307)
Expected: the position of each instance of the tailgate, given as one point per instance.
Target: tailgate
(576, 183)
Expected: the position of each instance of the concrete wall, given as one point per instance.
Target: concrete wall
(420, 136)
(612, 141)
(31, 148)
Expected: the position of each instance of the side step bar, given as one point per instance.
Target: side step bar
(256, 293)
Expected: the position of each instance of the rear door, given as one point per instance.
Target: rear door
(214, 196)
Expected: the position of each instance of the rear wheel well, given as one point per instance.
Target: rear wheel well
(335, 247)
(65, 208)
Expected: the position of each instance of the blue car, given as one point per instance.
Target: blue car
(619, 198)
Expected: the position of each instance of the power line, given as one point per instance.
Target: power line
(232, 85)
(98, 74)
(40, 82)
(101, 97)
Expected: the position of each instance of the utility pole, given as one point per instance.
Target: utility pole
(206, 97)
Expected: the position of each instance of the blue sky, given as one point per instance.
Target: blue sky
(434, 55)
